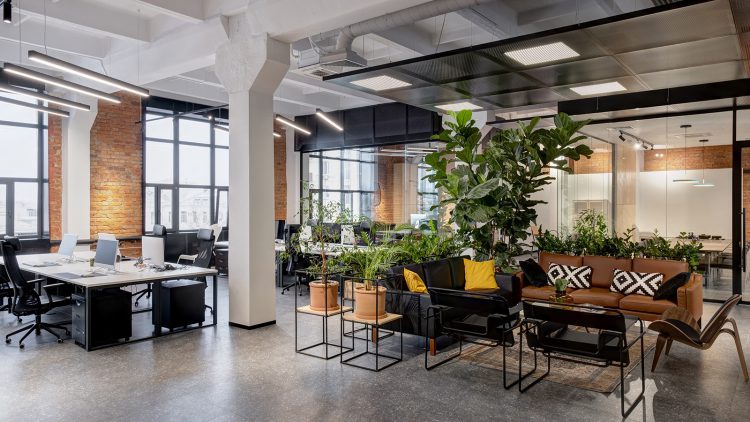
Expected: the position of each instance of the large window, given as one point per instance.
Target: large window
(23, 170)
(385, 184)
(186, 166)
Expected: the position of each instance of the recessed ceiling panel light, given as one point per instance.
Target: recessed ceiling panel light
(464, 105)
(598, 88)
(85, 73)
(381, 83)
(542, 53)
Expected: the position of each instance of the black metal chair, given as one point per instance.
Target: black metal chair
(158, 231)
(472, 316)
(26, 300)
(604, 343)
(205, 253)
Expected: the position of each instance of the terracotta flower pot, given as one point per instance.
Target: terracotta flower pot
(318, 292)
(365, 303)
(349, 287)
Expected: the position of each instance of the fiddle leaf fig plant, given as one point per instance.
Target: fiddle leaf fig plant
(490, 191)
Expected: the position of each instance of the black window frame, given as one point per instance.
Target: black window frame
(42, 182)
(175, 186)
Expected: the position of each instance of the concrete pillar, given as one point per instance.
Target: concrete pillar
(76, 163)
(251, 67)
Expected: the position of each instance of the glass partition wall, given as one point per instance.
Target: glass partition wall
(385, 184)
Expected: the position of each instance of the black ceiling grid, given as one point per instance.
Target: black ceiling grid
(679, 44)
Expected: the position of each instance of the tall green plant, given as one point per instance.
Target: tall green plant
(490, 191)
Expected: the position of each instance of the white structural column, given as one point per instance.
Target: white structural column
(76, 164)
(251, 67)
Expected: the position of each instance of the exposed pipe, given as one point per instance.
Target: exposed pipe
(401, 17)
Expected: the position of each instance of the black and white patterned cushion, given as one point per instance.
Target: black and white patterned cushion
(579, 277)
(631, 282)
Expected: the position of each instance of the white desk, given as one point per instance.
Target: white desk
(126, 274)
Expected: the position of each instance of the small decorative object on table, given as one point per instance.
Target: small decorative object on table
(561, 284)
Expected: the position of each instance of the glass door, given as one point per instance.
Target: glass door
(741, 270)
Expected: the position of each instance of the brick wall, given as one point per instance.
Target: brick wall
(116, 169)
(279, 173)
(716, 157)
(54, 163)
(600, 162)
(390, 190)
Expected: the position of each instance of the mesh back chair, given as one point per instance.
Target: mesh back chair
(26, 300)
(678, 324)
(469, 316)
(297, 261)
(158, 231)
(6, 293)
(204, 255)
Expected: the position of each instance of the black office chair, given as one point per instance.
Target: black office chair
(297, 261)
(158, 231)
(6, 291)
(205, 253)
(26, 300)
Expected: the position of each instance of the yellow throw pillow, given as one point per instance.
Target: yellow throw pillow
(414, 282)
(479, 275)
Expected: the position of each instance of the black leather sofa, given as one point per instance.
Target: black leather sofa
(443, 273)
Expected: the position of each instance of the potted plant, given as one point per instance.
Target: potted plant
(315, 240)
(490, 190)
(368, 264)
(561, 284)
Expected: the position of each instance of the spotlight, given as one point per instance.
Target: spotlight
(637, 145)
(622, 138)
(7, 12)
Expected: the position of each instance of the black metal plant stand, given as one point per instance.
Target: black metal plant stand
(377, 323)
(325, 342)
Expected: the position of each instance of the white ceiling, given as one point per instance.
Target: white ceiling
(169, 45)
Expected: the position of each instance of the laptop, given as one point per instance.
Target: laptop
(153, 249)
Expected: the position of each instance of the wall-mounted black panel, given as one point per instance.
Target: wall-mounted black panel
(420, 120)
(390, 120)
(382, 124)
(358, 126)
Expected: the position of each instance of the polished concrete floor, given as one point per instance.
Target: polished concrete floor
(225, 373)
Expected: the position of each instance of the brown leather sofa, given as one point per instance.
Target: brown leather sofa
(689, 296)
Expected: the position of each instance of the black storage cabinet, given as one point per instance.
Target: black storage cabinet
(181, 303)
(111, 318)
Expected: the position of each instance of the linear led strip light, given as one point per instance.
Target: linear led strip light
(37, 107)
(328, 120)
(226, 129)
(44, 97)
(292, 125)
(41, 77)
(85, 73)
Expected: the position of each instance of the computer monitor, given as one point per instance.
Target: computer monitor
(153, 249)
(68, 245)
(106, 253)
